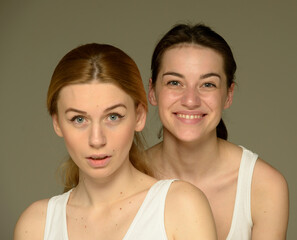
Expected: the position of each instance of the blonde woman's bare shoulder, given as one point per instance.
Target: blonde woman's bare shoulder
(31, 223)
(187, 213)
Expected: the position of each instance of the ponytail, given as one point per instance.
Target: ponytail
(222, 130)
(69, 174)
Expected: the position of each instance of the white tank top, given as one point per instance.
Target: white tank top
(148, 223)
(242, 224)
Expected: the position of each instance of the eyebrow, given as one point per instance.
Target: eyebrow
(106, 110)
(203, 76)
(211, 74)
(115, 106)
(173, 74)
(75, 110)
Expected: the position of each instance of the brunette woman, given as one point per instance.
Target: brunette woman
(192, 83)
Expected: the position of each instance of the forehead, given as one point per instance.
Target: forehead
(94, 94)
(192, 55)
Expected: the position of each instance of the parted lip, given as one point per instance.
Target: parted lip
(98, 156)
(187, 112)
(189, 116)
(190, 113)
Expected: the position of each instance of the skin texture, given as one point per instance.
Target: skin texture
(98, 120)
(191, 93)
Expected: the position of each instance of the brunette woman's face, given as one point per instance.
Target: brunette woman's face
(97, 121)
(191, 92)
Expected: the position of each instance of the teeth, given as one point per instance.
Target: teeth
(187, 116)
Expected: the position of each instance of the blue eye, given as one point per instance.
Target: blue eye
(209, 85)
(173, 83)
(114, 117)
(78, 119)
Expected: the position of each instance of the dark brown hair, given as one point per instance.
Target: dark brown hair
(103, 63)
(201, 35)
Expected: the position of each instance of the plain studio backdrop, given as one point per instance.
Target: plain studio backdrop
(36, 34)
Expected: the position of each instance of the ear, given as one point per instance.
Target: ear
(229, 99)
(56, 125)
(151, 94)
(140, 118)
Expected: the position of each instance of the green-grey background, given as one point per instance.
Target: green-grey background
(36, 34)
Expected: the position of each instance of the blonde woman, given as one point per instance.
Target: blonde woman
(97, 102)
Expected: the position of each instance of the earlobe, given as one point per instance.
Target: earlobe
(152, 94)
(140, 118)
(56, 125)
(229, 99)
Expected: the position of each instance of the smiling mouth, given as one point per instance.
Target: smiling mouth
(190, 116)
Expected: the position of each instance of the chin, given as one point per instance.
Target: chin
(188, 137)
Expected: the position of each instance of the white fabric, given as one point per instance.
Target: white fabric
(148, 223)
(242, 224)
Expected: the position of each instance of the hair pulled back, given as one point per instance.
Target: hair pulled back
(201, 35)
(107, 64)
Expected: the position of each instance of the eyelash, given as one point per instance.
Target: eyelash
(173, 83)
(119, 116)
(73, 119)
(210, 85)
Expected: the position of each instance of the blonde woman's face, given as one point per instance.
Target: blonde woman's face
(191, 92)
(97, 122)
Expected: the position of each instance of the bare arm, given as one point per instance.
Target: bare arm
(31, 223)
(270, 203)
(187, 214)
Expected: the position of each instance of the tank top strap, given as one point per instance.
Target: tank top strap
(245, 179)
(149, 220)
(56, 225)
(242, 219)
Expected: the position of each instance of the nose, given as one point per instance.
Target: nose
(97, 138)
(190, 98)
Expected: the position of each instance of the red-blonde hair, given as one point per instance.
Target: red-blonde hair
(104, 63)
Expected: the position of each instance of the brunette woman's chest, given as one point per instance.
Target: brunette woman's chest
(221, 195)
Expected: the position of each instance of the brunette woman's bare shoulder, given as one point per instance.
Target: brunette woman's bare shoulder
(32, 222)
(231, 153)
(270, 202)
(229, 147)
(187, 213)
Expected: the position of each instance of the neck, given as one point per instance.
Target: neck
(188, 160)
(106, 190)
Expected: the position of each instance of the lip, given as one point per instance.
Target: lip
(189, 117)
(98, 161)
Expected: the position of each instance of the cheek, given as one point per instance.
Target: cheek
(167, 97)
(74, 140)
(122, 137)
(215, 100)
(72, 145)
